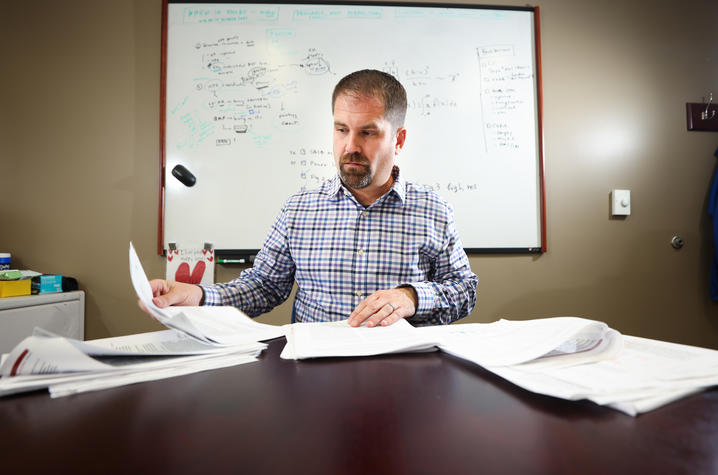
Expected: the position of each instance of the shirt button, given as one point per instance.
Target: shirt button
(360, 252)
(359, 293)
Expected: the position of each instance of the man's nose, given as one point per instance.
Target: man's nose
(352, 145)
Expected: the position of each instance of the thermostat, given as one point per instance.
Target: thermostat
(621, 202)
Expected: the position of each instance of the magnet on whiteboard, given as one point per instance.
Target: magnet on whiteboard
(184, 176)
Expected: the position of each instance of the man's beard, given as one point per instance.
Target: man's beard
(357, 179)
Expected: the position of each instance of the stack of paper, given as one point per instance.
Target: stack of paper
(67, 366)
(566, 357)
(645, 375)
(199, 338)
(574, 358)
(315, 340)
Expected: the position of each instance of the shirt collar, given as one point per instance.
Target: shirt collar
(399, 187)
(334, 188)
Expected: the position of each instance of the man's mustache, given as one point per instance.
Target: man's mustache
(354, 158)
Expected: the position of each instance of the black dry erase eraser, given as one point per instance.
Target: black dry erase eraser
(184, 176)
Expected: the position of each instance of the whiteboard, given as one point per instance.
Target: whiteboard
(247, 109)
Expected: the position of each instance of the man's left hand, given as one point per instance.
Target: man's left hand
(385, 307)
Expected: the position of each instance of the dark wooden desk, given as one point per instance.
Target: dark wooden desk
(404, 414)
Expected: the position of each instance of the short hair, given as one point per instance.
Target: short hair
(378, 84)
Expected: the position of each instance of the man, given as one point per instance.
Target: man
(366, 245)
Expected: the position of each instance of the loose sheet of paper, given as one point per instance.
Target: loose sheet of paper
(508, 342)
(159, 343)
(226, 325)
(93, 384)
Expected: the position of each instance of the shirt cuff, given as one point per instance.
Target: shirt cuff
(211, 295)
(426, 298)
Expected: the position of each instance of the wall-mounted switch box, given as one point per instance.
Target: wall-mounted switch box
(621, 202)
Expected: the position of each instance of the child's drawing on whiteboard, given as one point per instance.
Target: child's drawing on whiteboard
(192, 266)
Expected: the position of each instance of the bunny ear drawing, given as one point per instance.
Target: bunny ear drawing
(197, 273)
(183, 275)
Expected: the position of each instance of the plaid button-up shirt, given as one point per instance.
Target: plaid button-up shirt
(340, 252)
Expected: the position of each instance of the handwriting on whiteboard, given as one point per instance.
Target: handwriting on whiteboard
(501, 97)
(315, 165)
(244, 100)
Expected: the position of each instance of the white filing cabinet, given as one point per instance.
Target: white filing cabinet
(62, 313)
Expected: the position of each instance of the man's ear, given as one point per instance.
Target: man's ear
(400, 139)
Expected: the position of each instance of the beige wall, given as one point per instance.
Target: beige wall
(79, 141)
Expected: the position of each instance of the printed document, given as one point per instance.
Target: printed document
(323, 339)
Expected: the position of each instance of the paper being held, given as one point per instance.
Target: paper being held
(142, 286)
(222, 326)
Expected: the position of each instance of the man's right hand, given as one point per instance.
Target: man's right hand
(169, 292)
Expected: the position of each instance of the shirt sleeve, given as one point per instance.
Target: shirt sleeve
(267, 283)
(451, 292)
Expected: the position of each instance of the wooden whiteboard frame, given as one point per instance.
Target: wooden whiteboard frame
(250, 252)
